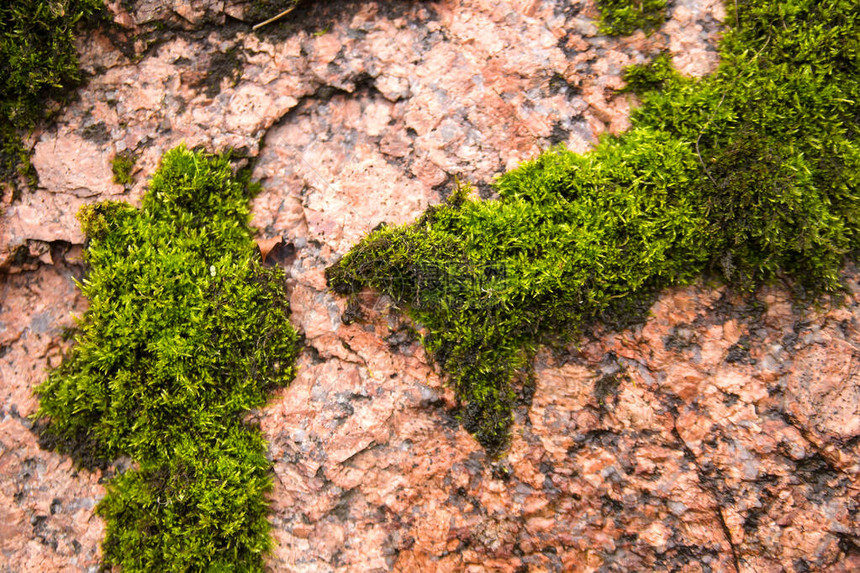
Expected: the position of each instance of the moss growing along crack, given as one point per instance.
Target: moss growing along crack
(751, 172)
(185, 333)
(38, 64)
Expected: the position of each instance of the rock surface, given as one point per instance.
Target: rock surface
(721, 435)
(46, 506)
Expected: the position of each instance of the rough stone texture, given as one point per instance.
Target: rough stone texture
(460, 88)
(683, 444)
(721, 435)
(46, 507)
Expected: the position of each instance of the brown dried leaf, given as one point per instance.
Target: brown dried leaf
(266, 245)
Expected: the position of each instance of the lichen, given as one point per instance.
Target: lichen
(751, 172)
(185, 333)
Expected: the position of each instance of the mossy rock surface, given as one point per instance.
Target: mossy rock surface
(185, 333)
(38, 65)
(751, 172)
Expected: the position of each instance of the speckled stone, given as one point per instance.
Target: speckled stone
(721, 435)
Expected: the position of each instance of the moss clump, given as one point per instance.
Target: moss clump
(775, 131)
(651, 76)
(751, 172)
(492, 279)
(622, 17)
(121, 165)
(38, 62)
(185, 333)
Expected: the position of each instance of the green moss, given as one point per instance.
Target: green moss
(38, 63)
(651, 76)
(492, 279)
(622, 17)
(203, 508)
(185, 333)
(751, 172)
(122, 164)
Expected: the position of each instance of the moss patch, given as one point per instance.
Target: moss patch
(622, 17)
(186, 332)
(751, 172)
(122, 165)
(38, 63)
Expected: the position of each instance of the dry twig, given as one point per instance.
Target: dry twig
(274, 18)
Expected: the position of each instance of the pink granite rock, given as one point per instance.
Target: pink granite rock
(720, 435)
(46, 505)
